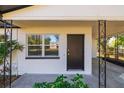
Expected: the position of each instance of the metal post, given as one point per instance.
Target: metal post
(116, 47)
(102, 61)
(10, 53)
(99, 51)
(4, 70)
(105, 41)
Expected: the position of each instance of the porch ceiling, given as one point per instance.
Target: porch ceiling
(8, 24)
(9, 8)
(113, 27)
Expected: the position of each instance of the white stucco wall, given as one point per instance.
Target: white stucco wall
(94, 48)
(55, 66)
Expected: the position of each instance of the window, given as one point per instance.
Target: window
(51, 45)
(34, 45)
(46, 45)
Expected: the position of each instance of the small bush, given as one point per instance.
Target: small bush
(62, 82)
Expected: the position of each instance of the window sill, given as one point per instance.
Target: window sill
(42, 58)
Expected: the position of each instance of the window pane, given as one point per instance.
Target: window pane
(34, 39)
(34, 50)
(51, 50)
(51, 39)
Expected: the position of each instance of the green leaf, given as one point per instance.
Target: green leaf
(61, 82)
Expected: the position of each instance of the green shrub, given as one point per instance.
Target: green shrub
(62, 82)
(5, 49)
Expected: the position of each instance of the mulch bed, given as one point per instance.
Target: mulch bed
(7, 80)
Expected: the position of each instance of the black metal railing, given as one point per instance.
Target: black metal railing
(6, 75)
(101, 62)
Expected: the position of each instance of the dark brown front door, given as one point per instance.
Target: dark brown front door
(75, 51)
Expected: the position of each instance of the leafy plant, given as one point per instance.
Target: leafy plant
(5, 48)
(78, 82)
(62, 82)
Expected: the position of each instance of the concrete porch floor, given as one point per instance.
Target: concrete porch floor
(115, 77)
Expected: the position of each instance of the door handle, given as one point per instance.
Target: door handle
(68, 50)
(68, 53)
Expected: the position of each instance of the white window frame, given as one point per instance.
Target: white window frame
(42, 45)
